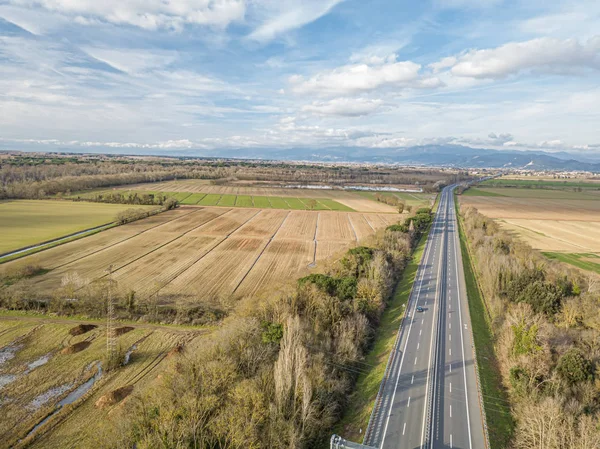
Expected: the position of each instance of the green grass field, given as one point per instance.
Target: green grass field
(194, 198)
(495, 399)
(215, 199)
(210, 200)
(28, 222)
(262, 202)
(244, 201)
(227, 201)
(361, 402)
(577, 260)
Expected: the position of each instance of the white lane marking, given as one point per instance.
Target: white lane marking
(450, 365)
(415, 360)
(418, 344)
(462, 345)
(450, 387)
(387, 422)
(404, 429)
(436, 312)
(450, 337)
(450, 441)
(422, 320)
(450, 322)
(450, 351)
(408, 405)
(450, 409)
(420, 331)
(412, 380)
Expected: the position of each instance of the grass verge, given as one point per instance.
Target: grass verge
(577, 260)
(495, 400)
(361, 402)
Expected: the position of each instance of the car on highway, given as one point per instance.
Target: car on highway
(420, 309)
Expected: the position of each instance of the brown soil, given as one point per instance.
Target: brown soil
(123, 330)
(77, 347)
(82, 329)
(175, 351)
(114, 397)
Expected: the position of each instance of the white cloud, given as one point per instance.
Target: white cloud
(356, 78)
(443, 63)
(544, 54)
(147, 14)
(345, 107)
(452, 4)
(285, 15)
(132, 60)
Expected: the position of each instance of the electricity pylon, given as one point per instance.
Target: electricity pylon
(111, 338)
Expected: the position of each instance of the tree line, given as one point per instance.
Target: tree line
(545, 318)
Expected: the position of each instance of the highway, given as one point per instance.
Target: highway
(430, 397)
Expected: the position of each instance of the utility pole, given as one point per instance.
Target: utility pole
(111, 338)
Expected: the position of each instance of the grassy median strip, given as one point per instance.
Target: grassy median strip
(361, 402)
(495, 400)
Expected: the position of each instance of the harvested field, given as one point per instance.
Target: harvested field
(334, 226)
(535, 209)
(365, 205)
(361, 226)
(299, 225)
(28, 222)
(198, 253)
(552, 194)
(153, 272)
(553, 225)
(327, 249)
(281, 261)
(219, 272)
(556, 235)
(72, 251)
(227, 223)
(265, 223)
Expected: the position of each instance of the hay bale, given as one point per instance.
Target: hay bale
(82, 329)
(77, 347)
(123, 330)
(114, 397)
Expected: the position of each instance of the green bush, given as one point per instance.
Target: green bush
(574, 367)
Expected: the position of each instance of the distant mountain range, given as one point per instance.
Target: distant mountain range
(425, 155)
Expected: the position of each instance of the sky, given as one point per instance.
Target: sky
(174, 75)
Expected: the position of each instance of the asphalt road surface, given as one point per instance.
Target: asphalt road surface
(431, 399)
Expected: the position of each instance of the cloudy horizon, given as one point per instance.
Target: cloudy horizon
(211, 74)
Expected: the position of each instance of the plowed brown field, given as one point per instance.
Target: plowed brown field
(194, 253)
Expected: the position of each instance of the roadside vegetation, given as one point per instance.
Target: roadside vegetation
(500, 422)
(545, 320)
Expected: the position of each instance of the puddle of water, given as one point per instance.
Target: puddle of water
(47, 395)
(128, 354)
(5, 379)
(8, 353)
(70, 398)
(37, 363)
(82, 389)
